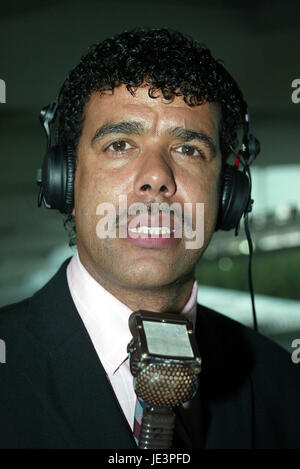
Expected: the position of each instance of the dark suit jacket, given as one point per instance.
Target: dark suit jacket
(54, 392)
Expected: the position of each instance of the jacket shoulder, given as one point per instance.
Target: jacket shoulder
(235, 353)
(239, 337)
(13, 309)
(41, 316)
(234, 349)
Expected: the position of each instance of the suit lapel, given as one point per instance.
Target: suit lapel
(78, 397)
(85, 397)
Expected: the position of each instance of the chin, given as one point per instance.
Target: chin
(147, 278)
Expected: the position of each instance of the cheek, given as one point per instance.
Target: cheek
(96, 196)
(95, 184)
(213, 196)
(86, 201)
(88, 186)
(206, 190)
(213, 191)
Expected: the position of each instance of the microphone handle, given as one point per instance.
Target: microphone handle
(157, 428)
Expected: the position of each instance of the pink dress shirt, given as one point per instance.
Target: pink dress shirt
(106, 321)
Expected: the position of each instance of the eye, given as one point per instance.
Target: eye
(189, 150)
(119, 146)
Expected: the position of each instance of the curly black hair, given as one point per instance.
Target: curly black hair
(166, 60)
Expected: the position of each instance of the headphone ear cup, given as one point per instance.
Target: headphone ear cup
(234, 198)
(58, 179)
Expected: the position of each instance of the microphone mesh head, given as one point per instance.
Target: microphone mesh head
(166, 384)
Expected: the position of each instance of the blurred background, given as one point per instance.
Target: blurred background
(259, 43)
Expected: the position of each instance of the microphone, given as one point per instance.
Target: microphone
(165, 364)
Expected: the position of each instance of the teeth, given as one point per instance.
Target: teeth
(156, 230)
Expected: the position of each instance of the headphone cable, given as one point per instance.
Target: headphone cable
(250, 279)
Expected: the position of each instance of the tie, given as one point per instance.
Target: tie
(138, 414)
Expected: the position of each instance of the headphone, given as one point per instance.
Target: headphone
(56, 180)
(56, 177)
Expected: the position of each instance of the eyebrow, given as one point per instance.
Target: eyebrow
(122, 127)
(137, 128)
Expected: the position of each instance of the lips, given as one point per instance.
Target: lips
(151, 231)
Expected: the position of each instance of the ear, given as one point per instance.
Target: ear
(73, 212)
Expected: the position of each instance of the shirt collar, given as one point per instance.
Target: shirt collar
(105, 317)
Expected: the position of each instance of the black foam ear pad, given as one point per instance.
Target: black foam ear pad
(234, 198)
(58, 178)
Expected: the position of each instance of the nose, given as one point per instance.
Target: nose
(155, 178)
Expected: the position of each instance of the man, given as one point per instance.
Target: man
(152, 117)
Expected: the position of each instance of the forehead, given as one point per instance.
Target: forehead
(157, 112)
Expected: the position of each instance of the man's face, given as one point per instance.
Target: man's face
(151, 151)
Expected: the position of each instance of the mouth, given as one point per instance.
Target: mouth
(152, 231)
(152, 225)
